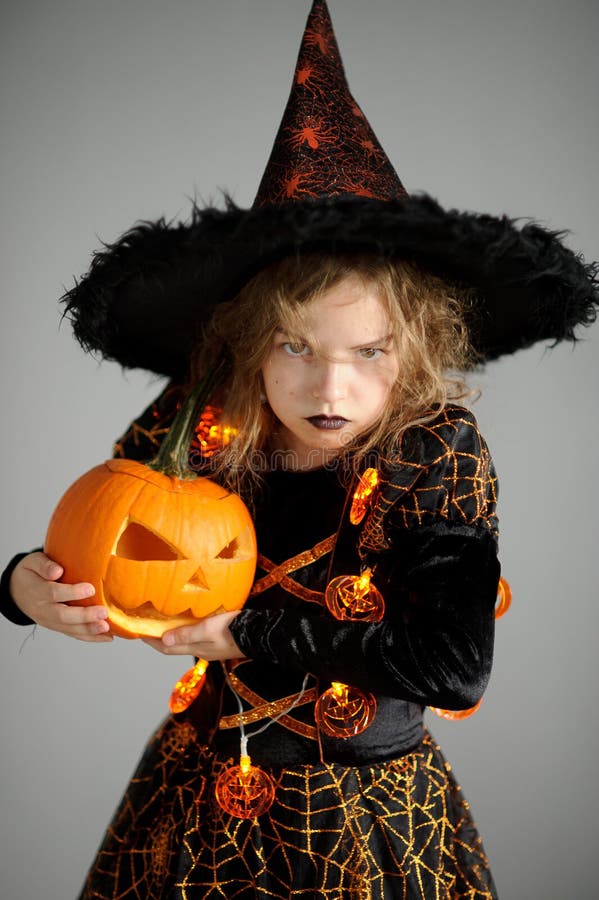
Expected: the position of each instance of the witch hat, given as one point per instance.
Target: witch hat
(325, 146)
(328, 186)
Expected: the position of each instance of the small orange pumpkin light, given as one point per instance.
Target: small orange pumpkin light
(355, 598)
(188, 687)
(504, 598)
(245, 790)
(361, 499)
(344, 711)
(455, 715)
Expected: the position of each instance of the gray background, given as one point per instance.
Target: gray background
(121, 110)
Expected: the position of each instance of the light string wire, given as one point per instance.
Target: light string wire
(245, 737)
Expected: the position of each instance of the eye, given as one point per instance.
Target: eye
(296, 348)
(138, 542)
(370, 352)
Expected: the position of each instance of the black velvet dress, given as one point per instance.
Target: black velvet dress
(377, 815)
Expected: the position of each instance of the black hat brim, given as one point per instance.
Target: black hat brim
(145, 296)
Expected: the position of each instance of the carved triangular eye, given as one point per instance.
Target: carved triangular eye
(230, 551)
(138, 542)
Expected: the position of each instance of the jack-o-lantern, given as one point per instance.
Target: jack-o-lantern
(161, 546)
(344, 711)
(160, 551)
(245, 790)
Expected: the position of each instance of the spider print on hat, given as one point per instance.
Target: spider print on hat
(324, 146)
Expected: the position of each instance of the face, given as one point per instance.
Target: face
(327, 394)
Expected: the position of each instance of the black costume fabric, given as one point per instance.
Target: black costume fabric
(401, 828)
(375, 816)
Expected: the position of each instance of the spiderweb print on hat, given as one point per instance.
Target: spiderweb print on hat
(325, 146)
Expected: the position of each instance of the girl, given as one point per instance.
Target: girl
(341, 365)
(338, 362)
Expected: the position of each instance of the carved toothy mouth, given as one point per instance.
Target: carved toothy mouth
(144, 611)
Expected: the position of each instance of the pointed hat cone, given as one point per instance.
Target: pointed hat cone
(324, 146)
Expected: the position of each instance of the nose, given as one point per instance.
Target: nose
(330, 379)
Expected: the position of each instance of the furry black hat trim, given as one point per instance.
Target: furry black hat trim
(146, 295)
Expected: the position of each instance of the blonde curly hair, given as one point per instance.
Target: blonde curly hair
(427, 324)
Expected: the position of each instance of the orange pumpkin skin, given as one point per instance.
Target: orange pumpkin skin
(160, 551)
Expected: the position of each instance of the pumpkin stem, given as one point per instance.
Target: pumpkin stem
(173, 456)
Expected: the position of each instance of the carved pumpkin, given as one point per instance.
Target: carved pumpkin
(160, 551)
(162, 546)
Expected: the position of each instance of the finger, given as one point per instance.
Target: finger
(70, 593)
(185, 635)
(74, 621)
(209, 630)
(196, 649)
(154, 643)
(43, 566)
(88, 630)
(178, 650)
(82, 615)
(94, 638)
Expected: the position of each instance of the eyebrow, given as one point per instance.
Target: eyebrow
(382, 340)
(377, 341)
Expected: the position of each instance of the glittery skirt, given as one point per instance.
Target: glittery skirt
(399, 829)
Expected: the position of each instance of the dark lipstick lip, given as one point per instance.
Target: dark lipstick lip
(327, 423)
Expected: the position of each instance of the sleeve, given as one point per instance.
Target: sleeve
(8, 607)
(433, 533)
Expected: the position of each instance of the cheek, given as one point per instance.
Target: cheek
(381, 381)
(279, 382)
(376, 391)
(389, 375)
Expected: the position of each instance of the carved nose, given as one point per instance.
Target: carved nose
(198, 581)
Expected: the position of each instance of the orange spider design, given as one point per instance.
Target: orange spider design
(294, 186)
(371, 149)
(308, 78)
(317, 39)
(363, 192)
(313, 135)
(352, 186)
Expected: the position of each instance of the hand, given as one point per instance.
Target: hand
(35, 589)
(209, 639)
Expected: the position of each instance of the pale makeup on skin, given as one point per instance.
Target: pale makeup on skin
(325, 397)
